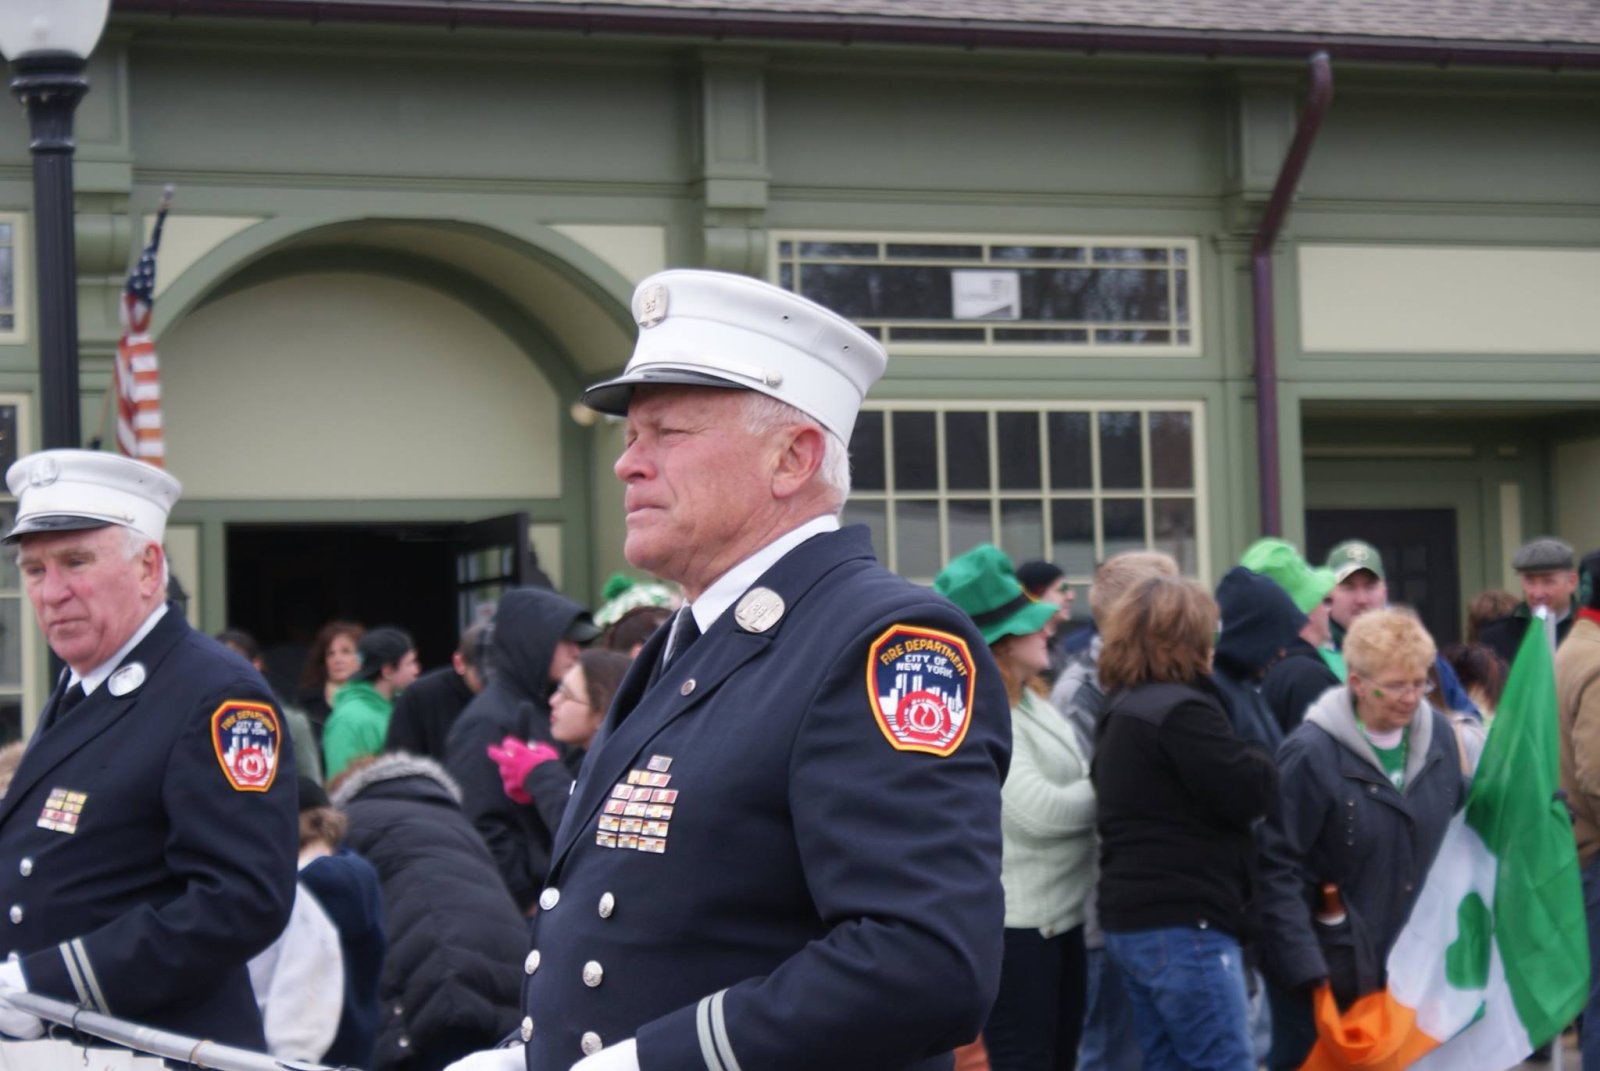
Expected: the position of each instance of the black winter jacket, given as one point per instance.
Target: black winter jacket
(424, 713)
(1259, 622)
(1176, 791)
(452, 981)
(1295, 683)
(528, 625)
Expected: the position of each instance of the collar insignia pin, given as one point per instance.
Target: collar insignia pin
(126, 679)
(759, 610)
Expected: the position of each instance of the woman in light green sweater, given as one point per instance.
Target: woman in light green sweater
(1047, 822)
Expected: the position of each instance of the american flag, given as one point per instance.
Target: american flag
(136, 377)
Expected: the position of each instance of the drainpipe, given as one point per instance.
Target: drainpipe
(1261, 288)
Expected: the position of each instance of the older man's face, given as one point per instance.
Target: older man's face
(90, 598)
(698, 483)
(1550, 588)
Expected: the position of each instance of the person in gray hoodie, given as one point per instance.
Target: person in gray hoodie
(537, 634)
(1368, 784)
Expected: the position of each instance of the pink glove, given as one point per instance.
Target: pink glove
(516, 761)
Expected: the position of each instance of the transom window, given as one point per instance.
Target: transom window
(1034, 295)
(1070, 484)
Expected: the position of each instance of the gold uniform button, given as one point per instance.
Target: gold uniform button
(608, 904)
(590, 1043)
(531, 964)
(593, 973)
(527, 1028)
(25, 867)
(549, 899)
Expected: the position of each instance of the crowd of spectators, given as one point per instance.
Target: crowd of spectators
(1195, 778)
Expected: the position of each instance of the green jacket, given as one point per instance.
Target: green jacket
(357, 726)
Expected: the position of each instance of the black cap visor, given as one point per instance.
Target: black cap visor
(615, 395)
(53, 522)
(582, 630)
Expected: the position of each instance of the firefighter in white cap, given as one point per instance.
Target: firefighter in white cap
(783, 851)
(148, 841)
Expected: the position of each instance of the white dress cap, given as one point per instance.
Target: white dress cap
(66, 490)
(716, 329)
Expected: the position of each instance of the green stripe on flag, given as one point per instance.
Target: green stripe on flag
(1538, 909)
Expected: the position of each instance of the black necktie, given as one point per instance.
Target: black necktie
(683, 638)
(69, 699)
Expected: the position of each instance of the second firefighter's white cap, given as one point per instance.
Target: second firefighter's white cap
(67, 490)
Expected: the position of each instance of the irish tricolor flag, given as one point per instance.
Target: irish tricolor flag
(1494, 959)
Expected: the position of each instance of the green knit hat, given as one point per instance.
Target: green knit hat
(983, 583)
(1280, 562)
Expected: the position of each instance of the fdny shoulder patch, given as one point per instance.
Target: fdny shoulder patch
(919, 681)
(246, 734)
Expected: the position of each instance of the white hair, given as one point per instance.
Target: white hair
(133, 544)
(764, 414)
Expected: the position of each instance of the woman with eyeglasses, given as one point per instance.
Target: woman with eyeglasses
(530, 772)
(1368, 783)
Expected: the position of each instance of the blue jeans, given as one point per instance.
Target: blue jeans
(1186, 985)
(1108, 1041)
(1591, 1010)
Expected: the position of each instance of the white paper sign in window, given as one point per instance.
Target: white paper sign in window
(986, 295)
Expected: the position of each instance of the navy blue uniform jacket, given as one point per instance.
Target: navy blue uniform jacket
(170, 878)
(818, 898)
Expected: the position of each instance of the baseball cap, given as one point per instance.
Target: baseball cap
(73, 490)
(380, 647)
(1352, 556)
(718, 329)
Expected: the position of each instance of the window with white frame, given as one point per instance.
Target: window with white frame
(10, 324)
(1071, 484)
(1057, 295)
(16, 646)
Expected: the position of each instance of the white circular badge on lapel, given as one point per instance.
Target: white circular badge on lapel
(126, 679)
(759, 610)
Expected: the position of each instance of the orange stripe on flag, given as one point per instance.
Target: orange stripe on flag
(1376, 1034)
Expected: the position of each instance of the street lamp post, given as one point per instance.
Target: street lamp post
(47, 43)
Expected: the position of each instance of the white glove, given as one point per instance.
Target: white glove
(14, 1023)
(623, 1056)
(514, 1058)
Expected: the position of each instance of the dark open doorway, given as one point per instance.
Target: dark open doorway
(286, 580)
(1418, 548)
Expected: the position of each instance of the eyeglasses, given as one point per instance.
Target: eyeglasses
(567, 693)
(1401, 689)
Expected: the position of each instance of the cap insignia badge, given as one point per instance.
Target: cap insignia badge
(44, 472)
(126, 679)
(651, 306)
(759, 610)
(1357, 554)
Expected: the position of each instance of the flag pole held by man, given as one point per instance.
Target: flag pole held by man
(1493, 961)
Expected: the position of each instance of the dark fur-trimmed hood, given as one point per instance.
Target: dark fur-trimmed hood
(395, 766)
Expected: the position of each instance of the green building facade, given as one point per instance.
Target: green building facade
(398, 252)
